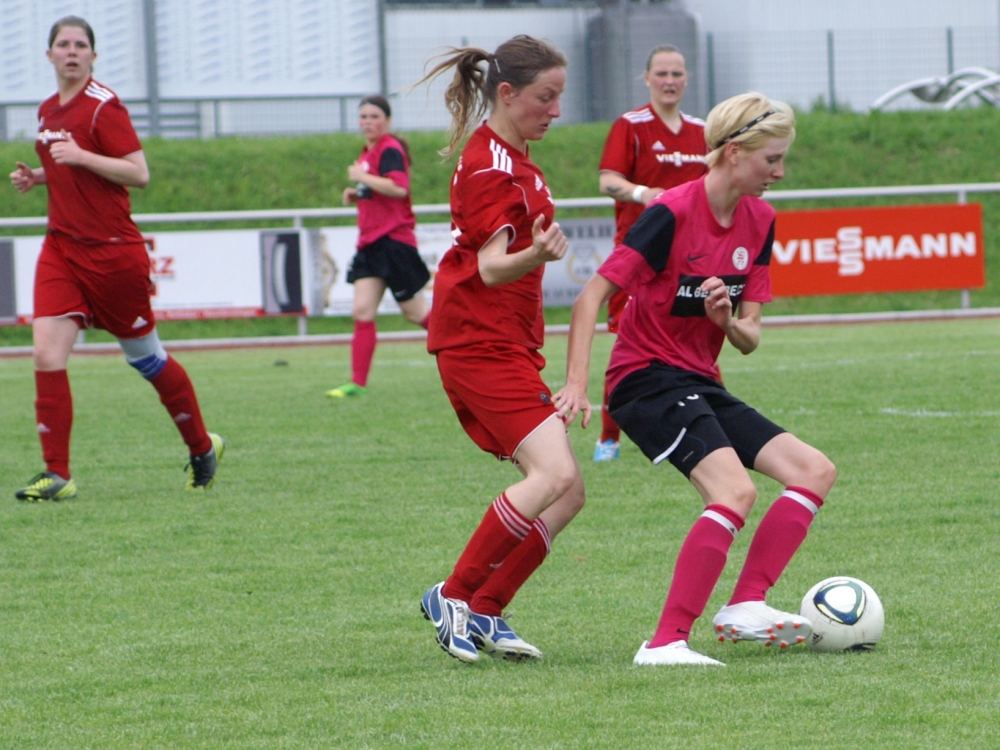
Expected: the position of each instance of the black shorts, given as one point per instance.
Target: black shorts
(682, 416)
(396, 263)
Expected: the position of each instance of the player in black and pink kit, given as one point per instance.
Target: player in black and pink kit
(486, 331)
(387, 246)
(696, 266)
(94, 268)
(648, 150)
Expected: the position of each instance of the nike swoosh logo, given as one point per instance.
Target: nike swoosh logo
(693, 258)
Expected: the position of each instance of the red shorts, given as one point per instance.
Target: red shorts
(616, 306)
(497, 392)
(104, 286)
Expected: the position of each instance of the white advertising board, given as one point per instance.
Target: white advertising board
(247, 273)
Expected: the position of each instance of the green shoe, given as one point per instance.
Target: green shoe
(347, 390)
(201, 469)
(47, 486)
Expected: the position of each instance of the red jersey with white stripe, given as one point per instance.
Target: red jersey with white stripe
(381, 215)
(494, 188)
(642, 149)
(82, 204)
(674, 246)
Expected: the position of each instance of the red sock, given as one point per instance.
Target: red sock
(609, 430)
(362, 351)
(54, 415)
(699, 565)
(499, 589)
(502, 529)
(781, 532)
(177, 394)
(426, 321)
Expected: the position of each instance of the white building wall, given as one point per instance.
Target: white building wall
(417, 35)
(780, 47)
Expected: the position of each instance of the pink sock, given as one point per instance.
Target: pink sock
(362, 351)
(500, 531)
(699, 565)
(54, 416)
(781, 532)
(517, 567)
(178, 396)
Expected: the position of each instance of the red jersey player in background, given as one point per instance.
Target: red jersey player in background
(387, 246)
(648, 150)
(487, 329)
(94, 268)
(696, 264)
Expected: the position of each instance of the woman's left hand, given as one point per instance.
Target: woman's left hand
(718, 305)
(67, 152)
(356, 171)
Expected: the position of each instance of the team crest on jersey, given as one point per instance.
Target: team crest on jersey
(48, 136)
(740, 258)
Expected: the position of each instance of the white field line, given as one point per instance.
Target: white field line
(556, 330)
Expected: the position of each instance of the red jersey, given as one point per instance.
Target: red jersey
(82, 204)
(381, 215)
(642, 149)
(675, 246)
(494, 188)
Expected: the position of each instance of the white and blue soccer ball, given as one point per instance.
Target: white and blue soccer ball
(846, 615)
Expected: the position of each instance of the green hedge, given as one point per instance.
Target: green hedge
(832, 150)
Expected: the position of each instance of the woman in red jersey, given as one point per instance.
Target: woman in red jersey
(387, 246)
(487, 329)
(94, 269)
(696, 266)
(648, 150)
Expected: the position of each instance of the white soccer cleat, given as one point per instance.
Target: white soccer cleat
(676, 653)
(755, 621)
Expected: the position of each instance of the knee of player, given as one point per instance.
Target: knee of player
(739, 496)
(563, 478)
(823, 472)
(146, 354)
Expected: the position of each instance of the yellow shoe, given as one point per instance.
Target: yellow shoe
(201, 469)
(47, 486)
(347, 390)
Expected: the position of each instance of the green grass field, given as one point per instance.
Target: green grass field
(280, 610)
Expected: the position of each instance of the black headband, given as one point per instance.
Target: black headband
(745, 128)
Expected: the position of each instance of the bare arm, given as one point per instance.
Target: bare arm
(381, 185)
(129, 170)
(497, 267)
(622, 190)
(743, 332)
(572, 397)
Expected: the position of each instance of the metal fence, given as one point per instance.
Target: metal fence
(843, 69)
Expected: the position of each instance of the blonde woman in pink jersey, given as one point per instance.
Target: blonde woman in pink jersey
(696, 266)
(93, 270)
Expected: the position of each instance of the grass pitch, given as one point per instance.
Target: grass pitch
(280, 610)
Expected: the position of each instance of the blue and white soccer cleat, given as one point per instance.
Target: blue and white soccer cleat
(494, 636)
(606, 451)
(451, 620)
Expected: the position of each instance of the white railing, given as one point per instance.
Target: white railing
(298, 215)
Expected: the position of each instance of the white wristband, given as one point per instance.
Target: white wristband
(637, 193)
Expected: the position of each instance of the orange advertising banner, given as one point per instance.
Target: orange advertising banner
(885, 249)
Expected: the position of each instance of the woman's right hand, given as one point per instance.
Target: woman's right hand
(350, 196)
(23, 178)
(570, 400)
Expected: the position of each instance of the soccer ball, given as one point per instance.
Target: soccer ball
(845, 613)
